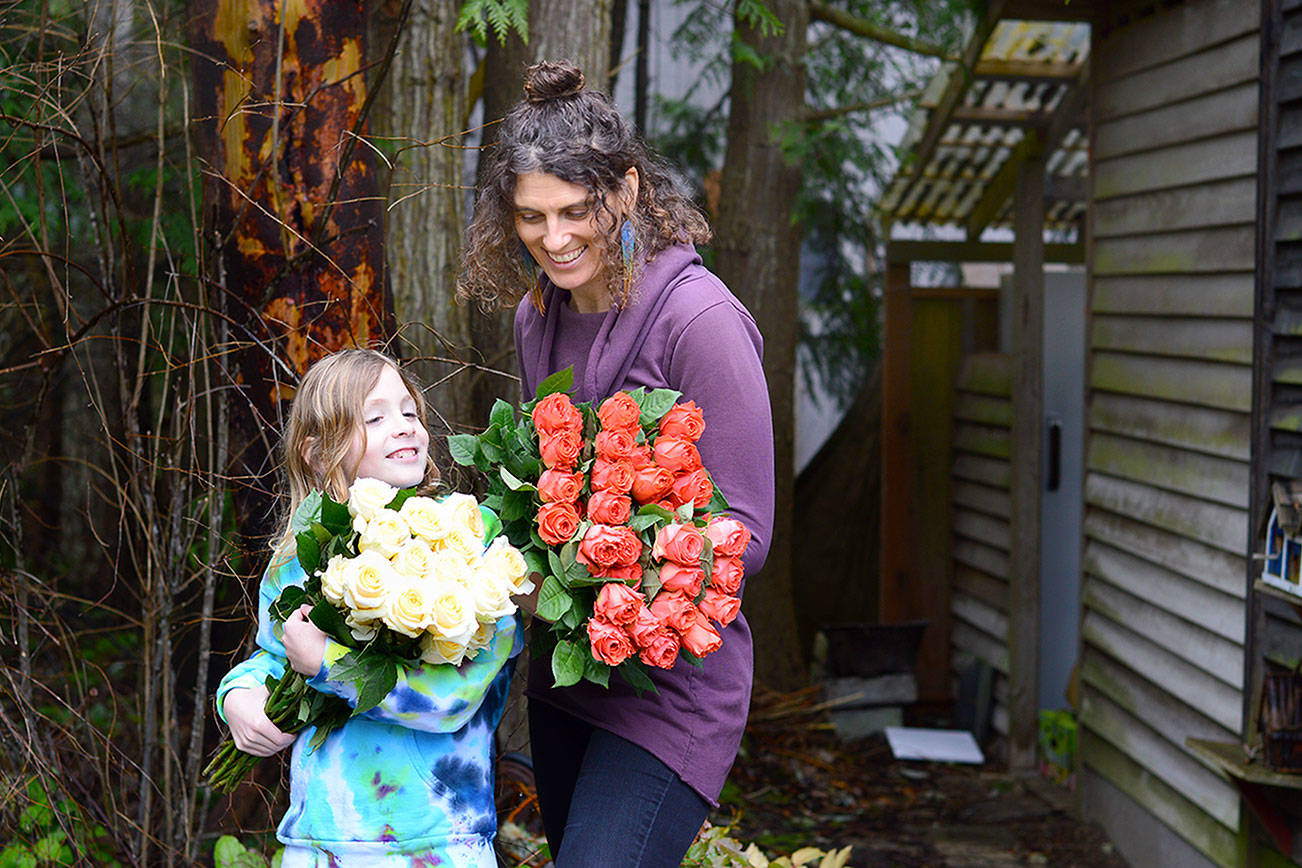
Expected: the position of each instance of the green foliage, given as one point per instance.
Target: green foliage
(501, 16)
(230, 852)
(52, 831)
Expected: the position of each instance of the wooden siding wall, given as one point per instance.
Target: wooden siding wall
(1168, 413)
(980, 499)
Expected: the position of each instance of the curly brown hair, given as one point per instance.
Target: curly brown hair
(576, 135)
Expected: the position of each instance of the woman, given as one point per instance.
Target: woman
(623, 299)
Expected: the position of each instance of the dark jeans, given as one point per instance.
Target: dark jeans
(605, 801)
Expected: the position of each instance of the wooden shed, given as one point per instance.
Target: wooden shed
(1160, 152)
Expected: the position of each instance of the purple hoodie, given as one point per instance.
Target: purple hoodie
(685, 331)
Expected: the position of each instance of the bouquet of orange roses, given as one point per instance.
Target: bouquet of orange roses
(610, 503)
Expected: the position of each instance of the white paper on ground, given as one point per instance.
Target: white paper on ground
(939, 745)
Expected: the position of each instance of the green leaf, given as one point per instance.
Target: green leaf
(327, 617)
(596, 671)
(491, 452)
(309, 551)
(462, 448)
(567, 663)
(554, 601)
(403, 495)
(684, 513)
(657, 403)
(639, 523)
(492, 524)
(335, 516)
(554, 563)
(516, 484)
(561, 381)
(537, 563)
(658, 511)
(690, 658)
(288, 602)
(718, 503)
(577, 575)
(228, 849)
(515, 505)
(502, 414)
(634, 672)
(372, 675)
(50, 847)
(308, 512)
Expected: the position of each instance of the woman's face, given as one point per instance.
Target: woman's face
(563, 234)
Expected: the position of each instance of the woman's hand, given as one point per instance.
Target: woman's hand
(251, 729)
(305, 643)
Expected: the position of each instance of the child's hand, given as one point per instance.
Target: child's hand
(251, 729)
(305, 644)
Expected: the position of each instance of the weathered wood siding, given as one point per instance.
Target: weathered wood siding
(980, 501)
(1168, 418)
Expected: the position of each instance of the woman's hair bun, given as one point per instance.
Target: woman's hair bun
(551, 79)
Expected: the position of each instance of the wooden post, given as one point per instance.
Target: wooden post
(897, 521)
(1026, 451)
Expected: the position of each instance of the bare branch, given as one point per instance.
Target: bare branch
(867, 29)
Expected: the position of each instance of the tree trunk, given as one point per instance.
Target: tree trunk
(291, 204)
(421, 112)
(758, 257)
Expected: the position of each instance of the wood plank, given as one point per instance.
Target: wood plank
(979, 468)
(984, 409)
(1215, 249)
(1288, 79)
(987, 374)
(1288, 170)
(1216, 203)
(974, 525)
(984, 499)
(1220, 526)
(1206, 477)
(1233, 155)
(1169, 762)
(1206, 114)
(1145, 700)
(979, 556)
(1195, 561)
(981, 440)
(1220, 702)
(1216, 68)
(1211, 610)
(1170, 807)
(1178, 294)
(1212, 654)
(1204, 384)
(1217, 340)
(980, 645)
(1214, 432)
(1185, 29)
(978, 615)
(1288, 217)
(989, 590)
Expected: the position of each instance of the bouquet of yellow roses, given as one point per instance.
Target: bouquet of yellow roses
(400, 579)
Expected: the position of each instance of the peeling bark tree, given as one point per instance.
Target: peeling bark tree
(291, 204)
(758, 257)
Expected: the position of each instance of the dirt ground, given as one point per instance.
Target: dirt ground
(796, 784)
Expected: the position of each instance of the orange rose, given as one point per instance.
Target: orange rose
(644, 626)
(614, 445)
(619, 412)
(556, 485)
(674, 611)
(660, 648)
(610, 644)
(608, 545)
(642, 455)
(556, 413)
(727, 575)
(561, 449)
(686, 579)
(609, 507)
(729, 537)
(677, 455)
(614, 476)
(557, 522)
(680, 543)
(719, 606)
(617, 603)
(701, 639)
(683, 420)
(651, 483)
(629, 574)
(694, 488)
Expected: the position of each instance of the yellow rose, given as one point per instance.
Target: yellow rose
(385, 533)
(465, 544)
(436, 650)
(369, 496)
(492, 595)
(413, 560)
(363, 631)
(466, 514)
(506, 561)
(408, 611)
(482, 638)
(448, 566)
(453, 613)
(370, 580)
(334, 578)
(426, 517)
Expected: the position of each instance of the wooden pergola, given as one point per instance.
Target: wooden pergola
(998, 147)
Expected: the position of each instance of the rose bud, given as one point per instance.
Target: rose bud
(674, 611)
(701, 639)
(680, 543)
(651, 483)
(556, 413)
(619, 412)
(557, 522)
(614, 445)
(677, 455)
(614, 476)
(727, 575)
(606, 545)
(694, 488)
(729, 537)
(560, 485)
(683, 420)
(609, 507)
(686, 579)
(561, 449)
(719, 606)
(610, 644)
(617, 603)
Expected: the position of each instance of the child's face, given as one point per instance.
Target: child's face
(391, 444)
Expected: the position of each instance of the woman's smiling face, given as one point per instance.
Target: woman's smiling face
(561, 230)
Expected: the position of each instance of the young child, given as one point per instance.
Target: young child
(410, 782)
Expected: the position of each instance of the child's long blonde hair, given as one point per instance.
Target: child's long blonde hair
(325, 417)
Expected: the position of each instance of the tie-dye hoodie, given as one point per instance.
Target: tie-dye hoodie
(408, 783)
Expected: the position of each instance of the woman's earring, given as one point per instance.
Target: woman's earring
(627, 243)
